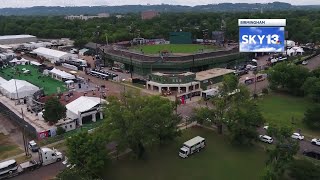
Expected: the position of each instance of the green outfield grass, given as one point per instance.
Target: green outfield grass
(219, 160)
(48, 84)
(280, 109)
(174, 48)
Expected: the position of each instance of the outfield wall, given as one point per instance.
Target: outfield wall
(142, 64)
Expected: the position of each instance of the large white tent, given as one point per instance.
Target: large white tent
(51, 54)
(84, 106)
(2, 81)
(60, 75)
(18, 89)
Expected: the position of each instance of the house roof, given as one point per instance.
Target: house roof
(83, 103)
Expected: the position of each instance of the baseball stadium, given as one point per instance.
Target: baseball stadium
(180, 54)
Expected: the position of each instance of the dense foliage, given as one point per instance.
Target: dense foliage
(303, 26)
(221, 7)
(304, 169)
(281, 156)
(54, 110)
(311, 117)
(235, 111)
(88, 152)
(288, 77)
(140, 122)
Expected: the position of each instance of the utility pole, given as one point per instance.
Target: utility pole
(131, 68)
(15, 83)
(25, 144)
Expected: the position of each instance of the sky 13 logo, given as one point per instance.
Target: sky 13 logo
(259, 39)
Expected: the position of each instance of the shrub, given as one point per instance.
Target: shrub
(60, 130)
(265, 91)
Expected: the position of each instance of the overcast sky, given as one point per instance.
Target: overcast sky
(29, 3)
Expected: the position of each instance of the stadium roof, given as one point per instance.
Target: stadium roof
(212, 73)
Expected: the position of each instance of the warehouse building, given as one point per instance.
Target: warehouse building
(17, 39)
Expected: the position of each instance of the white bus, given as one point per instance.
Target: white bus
(9, 166)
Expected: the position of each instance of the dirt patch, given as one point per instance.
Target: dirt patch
(12, 133)
(8, 148)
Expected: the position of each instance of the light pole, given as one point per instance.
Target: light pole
(131, 68)
(15, 84)
(25, 144)
(255, 83)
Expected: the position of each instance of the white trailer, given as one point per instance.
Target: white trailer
(193, 145)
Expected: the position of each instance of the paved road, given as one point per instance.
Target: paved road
(44, 173)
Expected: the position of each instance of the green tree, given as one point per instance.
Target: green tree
(311, 117)
(280, 157)
(243, 118)
(54, 110)
(72, 174)
(139, 122)
(311, 88)
(230, 83)
(88, 152)
(304, 169)
(289, 77)
(60, 130)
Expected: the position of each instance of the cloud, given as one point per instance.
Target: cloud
(258, 48)
(281, 28)
(255, 30)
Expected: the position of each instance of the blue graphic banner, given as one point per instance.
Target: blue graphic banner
(261, 39)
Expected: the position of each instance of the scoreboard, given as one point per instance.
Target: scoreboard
(262, 35)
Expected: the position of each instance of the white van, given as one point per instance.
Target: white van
(193, 145)
(266, 139)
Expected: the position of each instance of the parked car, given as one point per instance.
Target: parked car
(304, 62)
(312, 154)
(297, 136)
(32, 145)
(266, 139)
(315, 141)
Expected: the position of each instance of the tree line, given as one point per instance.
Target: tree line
(302, 26)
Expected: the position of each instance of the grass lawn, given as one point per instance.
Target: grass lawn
(280, 109)
(48, 84)
(219, 160)
(7, 148)
(174, 48)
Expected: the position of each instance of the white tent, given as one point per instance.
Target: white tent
(2, 81)
(51, 54)
(89, 105)
(22, 61)
(60, 75)
(17, 89)
(35, 63)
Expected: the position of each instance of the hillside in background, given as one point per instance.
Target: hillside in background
(223, 7)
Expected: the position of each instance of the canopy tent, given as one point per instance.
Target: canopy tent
(2, 80)
(294, 51)
(61, 75)
(51, 54)
(21, 61)
(17, 89)
(82, 104)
